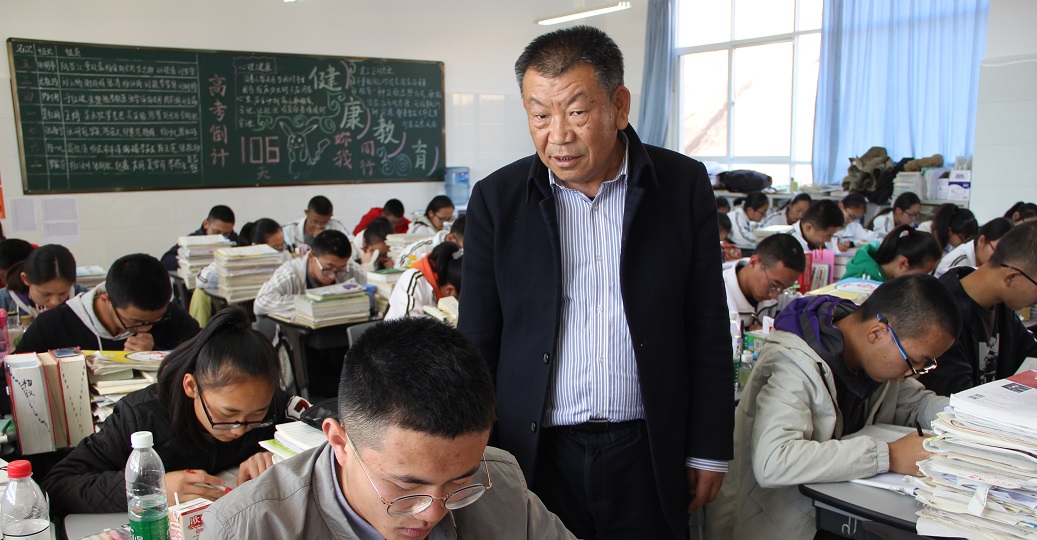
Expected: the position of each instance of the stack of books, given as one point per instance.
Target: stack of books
(50, 401)
(332, 305)
(196, 252)
(398, 243)
(244, 270)
(293, 438)
(981, 481)
(383, 281)
(113, 374)
(90, 276)
(908, 181)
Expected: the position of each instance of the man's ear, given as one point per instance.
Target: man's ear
(621, 101)
(337, 438)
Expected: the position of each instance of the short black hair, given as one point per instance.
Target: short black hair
(14, 250)
(457, 228)
(377, 230)
(446, 263)
(824, 214)
(1025, 210)
(800, 197)
(417, 374)
(784, 249)
(756, 200)
(45, 264)
(994, 229)
(918, 247)
(393, 207)
(555, 53)
(906, 200)
(321, 206)
(437, 203)
(855, 200)
(722, 202)
(1018, 247)
(222, 213)
(332, 242)
(138, 280)
(256, 232)
(914, 304)
(723, 222)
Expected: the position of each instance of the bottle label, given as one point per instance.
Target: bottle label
(150, 526)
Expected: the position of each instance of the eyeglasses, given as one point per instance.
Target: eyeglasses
(329, 271)
(227, 426)
(1024, 274)
(771, 287)
(413, 504)
(930, 363)
(140, 324)
(912, 215)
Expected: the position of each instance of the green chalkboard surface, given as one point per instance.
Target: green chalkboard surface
(112, 118)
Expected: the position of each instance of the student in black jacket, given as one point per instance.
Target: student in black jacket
(219, 221)
(216, 397)
(993, 341)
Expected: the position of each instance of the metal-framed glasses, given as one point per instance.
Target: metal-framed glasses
(413, 504)
(773, 285)
(330, 272)
(141, 324)
(930, 363)
(226, 426)
(1024, 274)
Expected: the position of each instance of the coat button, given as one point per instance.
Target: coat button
(547, 358)
(533, 426)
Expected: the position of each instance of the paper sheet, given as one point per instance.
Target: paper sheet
(60, 220)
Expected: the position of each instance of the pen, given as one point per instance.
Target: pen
(919, 426)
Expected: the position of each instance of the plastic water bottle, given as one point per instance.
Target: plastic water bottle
(24, 509)
(146, 490)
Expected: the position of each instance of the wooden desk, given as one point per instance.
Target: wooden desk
(862, 512)
(298, 337)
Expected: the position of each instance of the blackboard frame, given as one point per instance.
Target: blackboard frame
(28, 190)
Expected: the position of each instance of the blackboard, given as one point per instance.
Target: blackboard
(112, 118)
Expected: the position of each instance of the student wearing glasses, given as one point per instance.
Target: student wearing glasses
(317, 218)
(905, 250)
(329, 261)
(216, 397)
(905, 211)
(439, 211)
(129, 311)
(853, 234)
(830, 369)
(993, 342)
(405, 458)
(754, 284)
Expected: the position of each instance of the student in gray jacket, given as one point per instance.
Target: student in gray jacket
(407, 457)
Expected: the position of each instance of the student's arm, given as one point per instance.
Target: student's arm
(404, 299)
(915, 403)
(278, 294)
(169, 258)
(955, 370)
(179, 328)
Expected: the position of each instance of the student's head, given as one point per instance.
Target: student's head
(797, 207)
(375, 234)
(723, 205)
(318, 215)
(906, 208)
(446, 263)
(219, 221)
(13, 250)
(46, 276)
(953, 225)
(989, 236)
(919, 310)
(906, 250)
(416, 405)
(1021, 212)
(393, 211)
(725, 226)
(262, 231)
(822, 220)
(439, 211)
(329, 256)
(571, 83)
(776, 265)
(1015, 260)
(137, 292)
(221, 381)
(456, 234)
(756, 205)
(853, 206)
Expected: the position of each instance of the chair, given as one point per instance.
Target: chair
(354, 332)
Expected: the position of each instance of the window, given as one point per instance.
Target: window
(747, 83)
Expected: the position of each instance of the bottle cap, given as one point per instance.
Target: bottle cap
(141, 439)
(19, 469)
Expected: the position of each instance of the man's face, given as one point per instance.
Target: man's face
(406, 463)
(217, 226)
(884, 362)
(574, 124)
(315, 223)
(767, 282)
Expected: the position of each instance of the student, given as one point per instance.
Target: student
(754, 283)
(220, 221)
(723, 206)
(406, 455)
(905, 211)
(1021, 212)
(130, 311)
(952, 226)
(434, 276)
(373, 243)
(439, 211)
(904, 251)
(829, 369)
(216, 397)
(853, 234)
(13, 250)
(328, 261)
(993, 341)
(318, 217)
(731, 252)
(419, 249)
(790, 213)
(43, 281)
(975, 252)
(392, 211)
(745, 218)
(820, 222)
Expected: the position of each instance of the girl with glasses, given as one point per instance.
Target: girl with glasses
(439, 211)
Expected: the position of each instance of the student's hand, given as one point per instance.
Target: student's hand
(140, 342)
(254, 466)
(386, 262)
(703, 487)
(905, 453)
(183, 483)
(844, 246)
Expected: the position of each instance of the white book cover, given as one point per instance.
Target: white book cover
(57, 404)
(301, 434)
(30, 404)
(76, 393)
(1011, 401)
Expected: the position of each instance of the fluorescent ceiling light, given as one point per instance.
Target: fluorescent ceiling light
(619, 6)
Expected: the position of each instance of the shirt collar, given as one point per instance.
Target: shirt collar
(363, 529)
(621, 175)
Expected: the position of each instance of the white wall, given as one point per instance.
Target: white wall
(478, 40)
(1003, 164)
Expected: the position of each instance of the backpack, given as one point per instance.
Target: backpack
(744, 180)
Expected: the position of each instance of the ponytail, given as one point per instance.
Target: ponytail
(446, 263)
(916, 246)
(257, 232)
(950, 218)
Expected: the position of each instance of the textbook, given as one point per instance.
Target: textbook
(299, 435)
(30, 403)
(243, 270)
(106, 362)
(57, 404)
(75, 394)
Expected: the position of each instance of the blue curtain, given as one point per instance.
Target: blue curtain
(903, 74)
(657, 86)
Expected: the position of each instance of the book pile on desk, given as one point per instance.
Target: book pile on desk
(332, 305)
(293, 438)
(90, 276)
(398, 244)
(50, 401)
(113, 374)
(445, 310)
(196, 252)
(383, 281)
(981, 481)
(244, 270)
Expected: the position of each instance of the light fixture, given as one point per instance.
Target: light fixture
(619, 6)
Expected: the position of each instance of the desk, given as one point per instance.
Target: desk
(79, 525)
(857, 511)
(298, 337)
(219, 302)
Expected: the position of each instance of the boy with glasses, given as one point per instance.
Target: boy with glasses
(405, 458)
(318, 218)
(993, 342)
(755, 283)
(828, 370)
(329, 261)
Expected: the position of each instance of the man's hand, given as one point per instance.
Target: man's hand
(905, 453)
(703, 487)
(140, 342)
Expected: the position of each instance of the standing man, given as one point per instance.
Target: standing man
(593, 289)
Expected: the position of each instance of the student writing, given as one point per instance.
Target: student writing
(746, 217)
(905, 250)
(790, 213)
(439, 211)
(905, 211)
